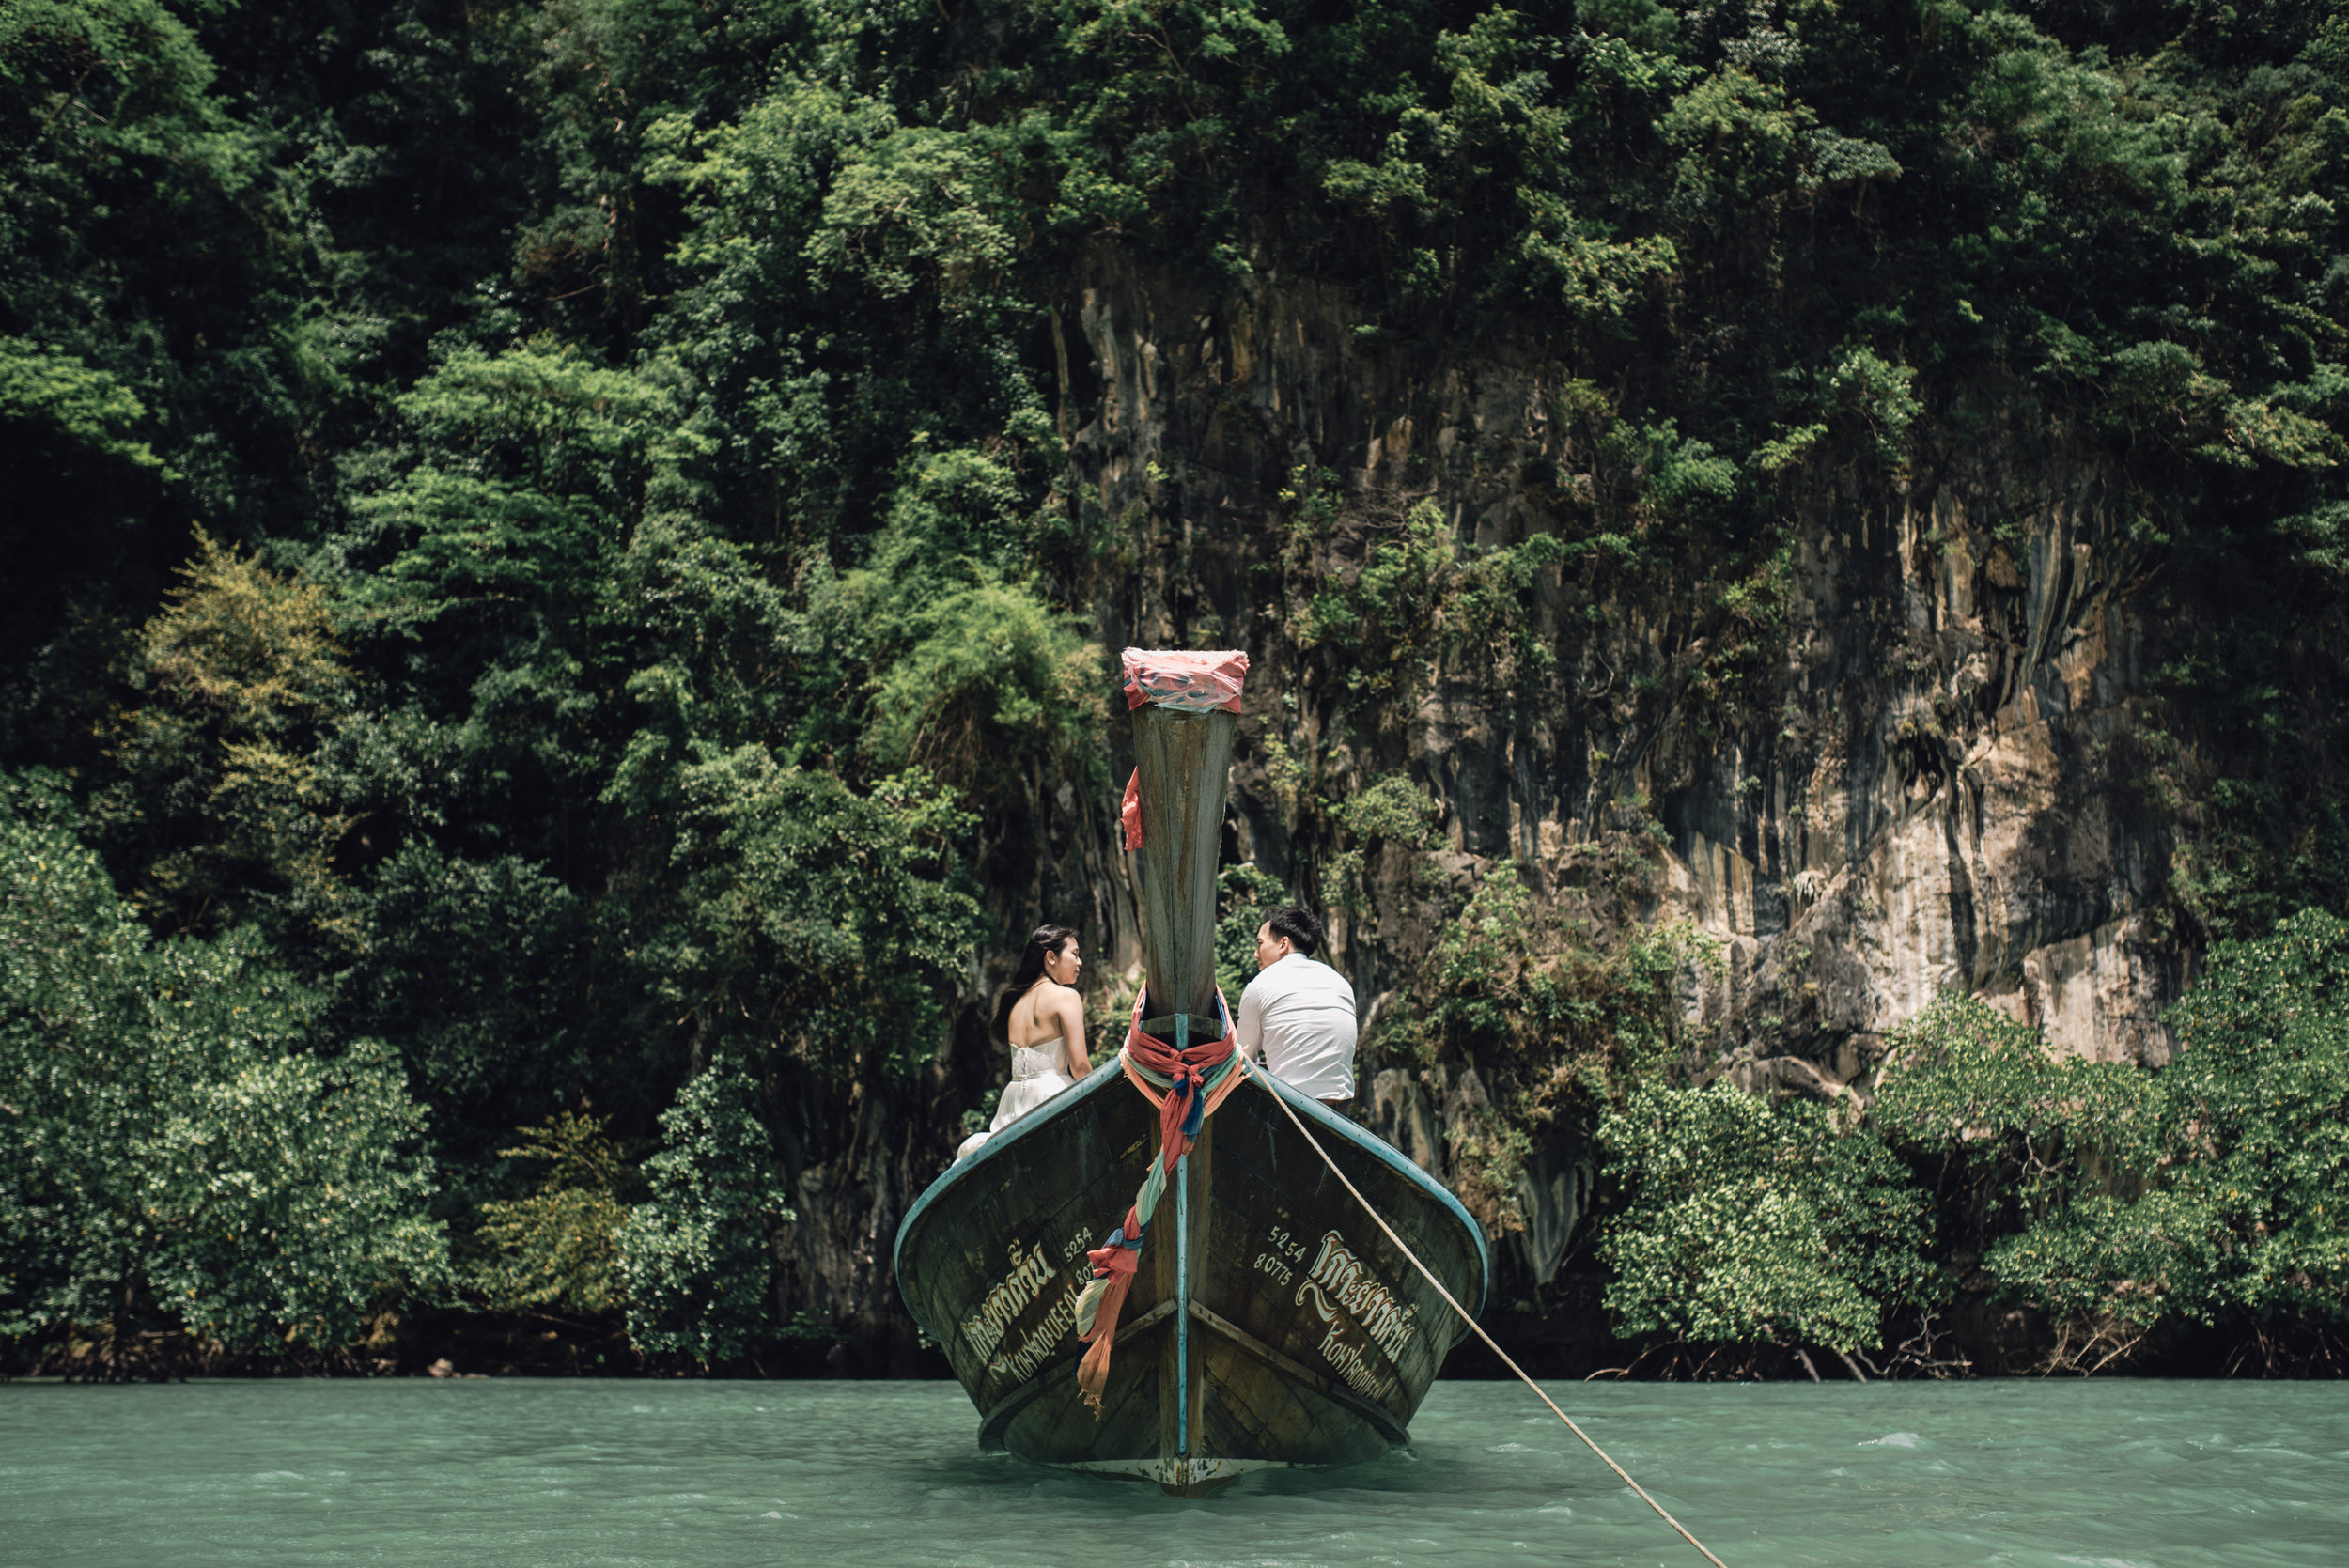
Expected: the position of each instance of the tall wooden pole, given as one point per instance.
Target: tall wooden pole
(1184, 760)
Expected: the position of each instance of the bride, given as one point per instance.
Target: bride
(1044, 1021)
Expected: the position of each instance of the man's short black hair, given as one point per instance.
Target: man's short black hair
(1302, 929)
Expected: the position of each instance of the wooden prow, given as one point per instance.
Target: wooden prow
(1184, 760)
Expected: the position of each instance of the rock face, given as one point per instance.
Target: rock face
(1938, 790)
(1933, 781)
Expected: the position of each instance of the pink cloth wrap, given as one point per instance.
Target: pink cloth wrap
(1195, 682)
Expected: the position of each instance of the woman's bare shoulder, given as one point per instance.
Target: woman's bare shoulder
(1024, 1011)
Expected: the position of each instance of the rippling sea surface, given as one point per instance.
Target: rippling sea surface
(501, 1474)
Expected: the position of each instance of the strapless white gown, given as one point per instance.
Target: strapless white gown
(1037, 1073)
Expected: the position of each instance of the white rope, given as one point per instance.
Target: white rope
(1266, 1083)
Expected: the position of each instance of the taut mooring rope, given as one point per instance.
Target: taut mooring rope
(1266, 1082)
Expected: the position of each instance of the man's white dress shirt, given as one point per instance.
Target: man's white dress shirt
(1297, 1017)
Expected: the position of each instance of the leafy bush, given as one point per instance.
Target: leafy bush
(2021, 1131)
(2256, 1122)
(811, 917)
(696, 1256)
(1519, 990)
(2113, 1199)
(2028, 1157)
(1554, 1025)
(179, 1151)
(220, 798)
(1420, 595)
(996, 694)
(1246, 895)
(977, 677)
(1390, 809)
(1748, 1222)
(558, 1246)
(466, 966)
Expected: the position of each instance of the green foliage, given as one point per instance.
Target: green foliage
(1244, 896)
(1286, 777)
(1747, 1222)
(1419, 597)
(220, 792)
(598, 650)
(1495, 140)
(1966, 1084)
(536, 463)
(2114, 1199)
(154, 361)
(996, 689)
(544, 418)
(696, 1257)
(1736, 137)
(1390, 807)
(941, 651)
(2260, 1090)
(924, 204)
(1516, 987)
(2028, 1154)
(179, 1151)
(558, 1246)
(811, 918)
(288, 1190)
(87, 405)
(1556, 1025)
(468, 965)
(1876, 394)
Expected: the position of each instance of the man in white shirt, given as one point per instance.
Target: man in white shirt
(1297, 1016)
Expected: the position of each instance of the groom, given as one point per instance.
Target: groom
(1298, 1015)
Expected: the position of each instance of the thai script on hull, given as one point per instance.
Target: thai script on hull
(1338, 1283)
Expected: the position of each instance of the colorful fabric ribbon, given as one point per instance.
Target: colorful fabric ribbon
(1194, 1079)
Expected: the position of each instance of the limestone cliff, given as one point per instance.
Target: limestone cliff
(1933, 779)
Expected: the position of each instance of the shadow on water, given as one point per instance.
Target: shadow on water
(2104, 1475)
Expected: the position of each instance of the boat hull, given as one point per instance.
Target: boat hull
(1271, 1323)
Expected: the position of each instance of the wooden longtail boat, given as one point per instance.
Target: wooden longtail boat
(1270, 1322)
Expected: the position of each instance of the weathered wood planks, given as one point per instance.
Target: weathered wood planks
(1265, 1377)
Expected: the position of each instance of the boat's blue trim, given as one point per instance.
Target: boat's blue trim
(961, 1170)
(1312, 1109)
(1182, 1265)
(1387, 1153)
(1182, 1307)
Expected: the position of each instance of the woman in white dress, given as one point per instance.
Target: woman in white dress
(1043, 1020)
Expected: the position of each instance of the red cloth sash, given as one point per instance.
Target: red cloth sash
(1181, 1112)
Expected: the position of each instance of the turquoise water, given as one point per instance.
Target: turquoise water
(501, 1474)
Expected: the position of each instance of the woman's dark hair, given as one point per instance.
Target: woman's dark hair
(1046, 942)
(1302, 929)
